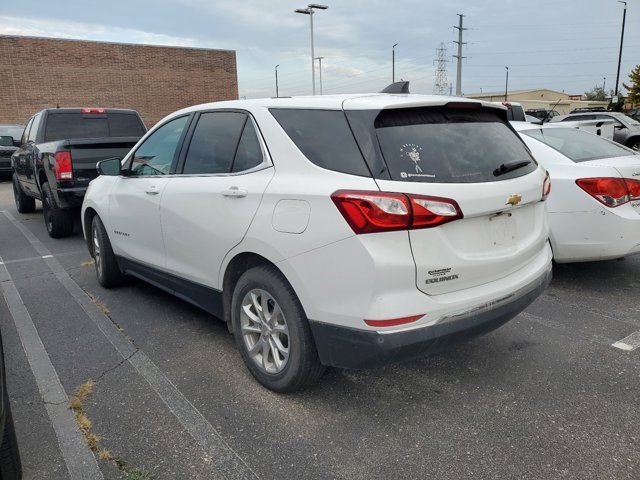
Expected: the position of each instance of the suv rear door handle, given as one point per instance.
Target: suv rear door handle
(152, 190)
(235, 192)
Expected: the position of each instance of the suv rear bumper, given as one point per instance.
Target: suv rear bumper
(345, 347)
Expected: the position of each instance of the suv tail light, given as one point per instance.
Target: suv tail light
(546, 187)
(62, 168)
(369, 212)
(611, 191)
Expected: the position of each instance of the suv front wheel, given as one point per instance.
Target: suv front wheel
(272, 331)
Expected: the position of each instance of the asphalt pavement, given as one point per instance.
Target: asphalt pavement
(547, 396)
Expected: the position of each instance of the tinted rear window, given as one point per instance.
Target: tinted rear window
(440, 145)
(61, 126)
(578, 145)
(324, 137)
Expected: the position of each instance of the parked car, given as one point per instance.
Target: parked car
(9, 141)
(588, 109)
(348, 231)
(542, 114)
(594, 210)
(57, 158)
(515, 112)
(10, 465)
(626, 129)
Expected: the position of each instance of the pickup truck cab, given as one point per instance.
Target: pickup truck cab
(57, 158)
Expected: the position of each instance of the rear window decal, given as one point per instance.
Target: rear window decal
(412, 152)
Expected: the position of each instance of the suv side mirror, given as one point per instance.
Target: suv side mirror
(109, 166)
(6, 141)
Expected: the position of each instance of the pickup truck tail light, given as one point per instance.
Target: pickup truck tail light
(63, 169)
(611, 191)
(370, 212)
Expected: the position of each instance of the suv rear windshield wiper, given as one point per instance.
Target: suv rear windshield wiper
(510, 167)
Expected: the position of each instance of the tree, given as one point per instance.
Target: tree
(634, 87)
(596, 93)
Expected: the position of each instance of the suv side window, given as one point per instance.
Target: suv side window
(34, 128)
(248, 153)
(214, 143)
(609, 117)
(155, 155)
(578, 118)
(25, 134)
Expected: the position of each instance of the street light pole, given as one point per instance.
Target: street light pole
(624, 17)
(277, 94)
(393, 63)
(310, 11)
(604, 84)
(320, 70)
(506, 85)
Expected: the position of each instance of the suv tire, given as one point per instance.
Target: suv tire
(24, 203)
(107, 269)
(59, 222)
(266, 331)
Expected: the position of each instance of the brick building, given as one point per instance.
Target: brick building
(36, 73)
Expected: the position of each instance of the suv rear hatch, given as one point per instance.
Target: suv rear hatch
(466, 152)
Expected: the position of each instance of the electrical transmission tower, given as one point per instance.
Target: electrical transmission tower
(459, 56)
(441, 83)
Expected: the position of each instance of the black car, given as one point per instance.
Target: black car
(9, 142)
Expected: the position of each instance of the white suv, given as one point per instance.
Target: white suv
(348, 231)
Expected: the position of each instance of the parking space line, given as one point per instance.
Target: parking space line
(628, 343)
(41, 257)
(80, 461)
(223, 457)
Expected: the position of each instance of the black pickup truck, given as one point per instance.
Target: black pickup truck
(58, 154)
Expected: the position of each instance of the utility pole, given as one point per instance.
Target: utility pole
(310, 11)
(441, 84)
(459, 55)
(506, 85)
(320, 69)
(624, 18)
(277, 95)
(604, 83)
(393, 63)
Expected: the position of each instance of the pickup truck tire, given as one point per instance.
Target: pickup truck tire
(10, 466)
(59, 222)
(265, 287)
(107, 269)
(24, 203)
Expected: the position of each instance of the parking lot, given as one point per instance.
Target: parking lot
(546, 396)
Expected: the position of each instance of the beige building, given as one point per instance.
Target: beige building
(540, 98)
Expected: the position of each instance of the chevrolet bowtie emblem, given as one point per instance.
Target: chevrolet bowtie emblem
(514, 200)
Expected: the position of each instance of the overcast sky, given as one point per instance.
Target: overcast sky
(566, 45)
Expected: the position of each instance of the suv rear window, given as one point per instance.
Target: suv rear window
(444, 145)
(63, 125)
(324, 137)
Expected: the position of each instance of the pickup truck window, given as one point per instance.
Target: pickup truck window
(34, 128)
(155, 155)
(65, 125)
(25, 134)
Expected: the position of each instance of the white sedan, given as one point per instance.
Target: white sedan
(594, 206)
